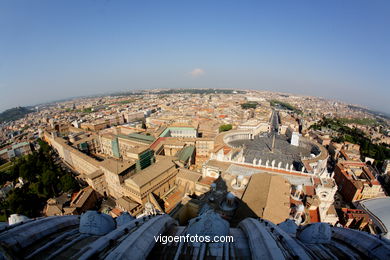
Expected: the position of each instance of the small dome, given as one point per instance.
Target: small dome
(230, 196)
(209, 223)
(289, 226)
(124, 218)
(315, 233)
(299, 187)
(16, 218)
(206, 207)
(95, 223)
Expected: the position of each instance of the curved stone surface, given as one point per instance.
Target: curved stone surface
(367, 244)
(124, 218)
(261, 243)
(103, 242)
(291, 246)
(26, 234)
(95, 223)
(315, 233)
(60, 238)
(141, 242)
(209, 223)
(289, 227)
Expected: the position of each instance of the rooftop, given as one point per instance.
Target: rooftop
(117, 166)
(189, 175)
(148, 174)
(267, 196)
(185, 153)
(127, 203)
(379, 209)
(147, 139)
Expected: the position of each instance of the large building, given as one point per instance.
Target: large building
(378, 209)
(128, 147)
(157, 179)
(283, 191)
(134, 181)
(179, 131)
(356, 181)
(271, 151)
(15, 150)
(170, 146)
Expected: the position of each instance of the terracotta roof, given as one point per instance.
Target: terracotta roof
(309, 190)
(157, 142)
(172, 200)
(116, 211)
(82, 196)
(117, 166)
(127, 203)
(207, 180)
(267, 196)
(317, 181)
(226, 150)
(314, 215)
(189, 175)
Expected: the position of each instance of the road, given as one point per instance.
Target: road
(274, 122)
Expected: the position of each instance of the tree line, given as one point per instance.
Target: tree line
(43, 179)
(379, 152)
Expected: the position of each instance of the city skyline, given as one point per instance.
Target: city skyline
(52, 51)
(194, 129)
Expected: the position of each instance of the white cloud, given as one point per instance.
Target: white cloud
(197, 72)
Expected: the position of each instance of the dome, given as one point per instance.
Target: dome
(315, 233)
(289, 226)
(124, 218)
(230, 196)
(210, 223)
(16, 218)
(56, 238)
(95, 223)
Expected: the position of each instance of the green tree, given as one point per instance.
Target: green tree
(68, 183)
(224, 128)
(44, 179)
(23, 201)
(49, 180)
(44, 147)
(249, 105)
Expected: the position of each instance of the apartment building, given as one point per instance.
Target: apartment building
(356, 181)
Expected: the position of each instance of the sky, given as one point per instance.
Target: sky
(52, 50)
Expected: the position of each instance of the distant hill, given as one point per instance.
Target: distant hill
(14, 114)
(375, 113)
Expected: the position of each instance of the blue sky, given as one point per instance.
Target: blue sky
(56, 49)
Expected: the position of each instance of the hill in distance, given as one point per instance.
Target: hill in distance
(14, 114)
